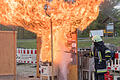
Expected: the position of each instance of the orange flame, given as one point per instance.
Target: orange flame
(66, 16)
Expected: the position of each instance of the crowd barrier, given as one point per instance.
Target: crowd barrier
(26, 55)
(114, 64)
(29, 56)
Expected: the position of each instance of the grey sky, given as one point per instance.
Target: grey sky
(118, 6)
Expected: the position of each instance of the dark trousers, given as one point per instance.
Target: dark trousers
(99, 76)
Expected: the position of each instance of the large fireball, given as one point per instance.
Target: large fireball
(37, 16)
(65, 17)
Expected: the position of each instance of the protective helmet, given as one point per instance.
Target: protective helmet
(96, 38)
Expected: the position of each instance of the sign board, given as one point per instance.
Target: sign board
(110, 27)
(96, 32)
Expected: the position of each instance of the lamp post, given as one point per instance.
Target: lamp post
(46, 7)
(52, 50)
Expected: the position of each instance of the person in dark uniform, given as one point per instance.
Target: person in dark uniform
(101, 55)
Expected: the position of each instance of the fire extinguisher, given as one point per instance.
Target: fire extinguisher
(108, 76)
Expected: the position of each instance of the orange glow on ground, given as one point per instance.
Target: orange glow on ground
(65, 16)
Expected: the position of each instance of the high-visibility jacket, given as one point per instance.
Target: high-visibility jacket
(101, 54)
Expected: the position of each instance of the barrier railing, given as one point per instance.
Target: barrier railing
(26, 55)
(114, 64)
(29, 56)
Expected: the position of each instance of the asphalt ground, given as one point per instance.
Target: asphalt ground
(23, 72)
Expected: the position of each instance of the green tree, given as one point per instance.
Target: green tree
(108, 7)
(106, 10)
